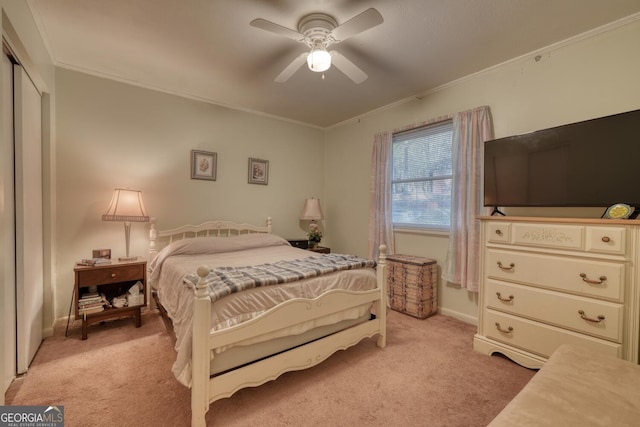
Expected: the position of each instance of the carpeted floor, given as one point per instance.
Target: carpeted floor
(428, 375)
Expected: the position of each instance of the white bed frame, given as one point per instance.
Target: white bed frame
(206, 389)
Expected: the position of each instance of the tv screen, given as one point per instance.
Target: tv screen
(591, 163)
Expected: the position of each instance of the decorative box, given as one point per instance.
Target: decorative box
(412, 285)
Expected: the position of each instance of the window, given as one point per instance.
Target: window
(422, 176)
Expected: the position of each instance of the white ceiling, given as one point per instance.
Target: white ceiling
(205, 49)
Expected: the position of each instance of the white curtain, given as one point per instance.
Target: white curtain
(470, 130)
(380, 221)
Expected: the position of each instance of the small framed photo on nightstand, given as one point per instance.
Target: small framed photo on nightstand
(101, 253)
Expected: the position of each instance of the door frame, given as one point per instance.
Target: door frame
(12, 43)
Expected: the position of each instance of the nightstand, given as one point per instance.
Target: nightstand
(320, 249)
(299, 243)
(112, 280)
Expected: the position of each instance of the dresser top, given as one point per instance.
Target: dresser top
(599, 221)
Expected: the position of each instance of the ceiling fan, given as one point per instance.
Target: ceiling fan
(319, 31)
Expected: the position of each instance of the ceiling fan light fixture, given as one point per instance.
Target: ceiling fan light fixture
(319, 60)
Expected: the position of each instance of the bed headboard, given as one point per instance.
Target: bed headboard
(158, 239)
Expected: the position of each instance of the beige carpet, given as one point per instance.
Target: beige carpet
(427, 376)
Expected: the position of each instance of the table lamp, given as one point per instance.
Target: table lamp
(311, 210)
(127, 206)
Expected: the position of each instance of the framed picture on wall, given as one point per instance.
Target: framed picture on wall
(204, 165)
(258, 171)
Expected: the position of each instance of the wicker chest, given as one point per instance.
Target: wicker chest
(412, 285)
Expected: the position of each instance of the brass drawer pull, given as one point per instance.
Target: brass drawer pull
(503, 268)
(501, 298)
(113, 274)
(504, 331)
(606, 239)
(499, 232)
(590, 319)
(593, 282)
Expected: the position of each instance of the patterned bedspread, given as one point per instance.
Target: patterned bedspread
(223, 281)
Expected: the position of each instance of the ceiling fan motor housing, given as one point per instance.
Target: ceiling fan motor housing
(316, 28)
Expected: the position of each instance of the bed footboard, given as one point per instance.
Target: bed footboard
(205, 390)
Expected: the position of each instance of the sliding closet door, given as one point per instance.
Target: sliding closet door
(29, 237)
(7, 234)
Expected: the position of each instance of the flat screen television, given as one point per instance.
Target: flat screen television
(591, 163)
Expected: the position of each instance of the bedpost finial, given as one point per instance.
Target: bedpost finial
(201, 286)
(203, 271)
(382, 253)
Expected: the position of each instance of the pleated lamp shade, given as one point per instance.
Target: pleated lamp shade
(312, 210)
(126, 206)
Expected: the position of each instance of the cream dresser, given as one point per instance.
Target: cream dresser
(549, 281)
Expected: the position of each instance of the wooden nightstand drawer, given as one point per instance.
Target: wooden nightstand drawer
(103, 276)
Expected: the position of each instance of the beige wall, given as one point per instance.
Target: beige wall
(111, 134)
(589, 77)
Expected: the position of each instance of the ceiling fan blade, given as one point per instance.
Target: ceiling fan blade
(292, 68)
(350, 69)
(272, 27)
(359, 23)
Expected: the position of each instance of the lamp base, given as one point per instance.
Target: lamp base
(128, 258)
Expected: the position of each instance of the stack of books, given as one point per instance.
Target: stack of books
(91, 302)
(95, 261)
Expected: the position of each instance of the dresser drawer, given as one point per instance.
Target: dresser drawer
(116, 274)
(499, 232)
(539, 338)
(549, 235)
(609, 240)
(563, 310)
(599, 279)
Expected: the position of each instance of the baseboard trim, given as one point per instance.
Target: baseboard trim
(47, 332)
(460, 316)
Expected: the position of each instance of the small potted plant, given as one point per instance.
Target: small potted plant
(315, 235)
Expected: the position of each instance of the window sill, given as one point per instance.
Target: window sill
(422, 231)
